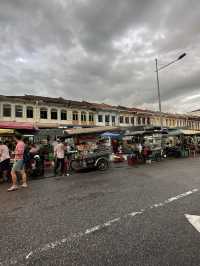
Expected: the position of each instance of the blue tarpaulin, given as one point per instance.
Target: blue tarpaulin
(110, 135)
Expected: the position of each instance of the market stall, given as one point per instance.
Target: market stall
(181, 143)
(8, 129)
(144, 145)
(191, 141)
(115, 142)
(91, 149)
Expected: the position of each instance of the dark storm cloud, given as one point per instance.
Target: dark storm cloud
(101, 50)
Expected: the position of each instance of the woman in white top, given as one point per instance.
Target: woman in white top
(4, 161)
(59, 154)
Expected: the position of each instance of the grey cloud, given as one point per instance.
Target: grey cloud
(101, 50)
(101, 21)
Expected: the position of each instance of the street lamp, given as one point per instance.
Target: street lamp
(158, 83)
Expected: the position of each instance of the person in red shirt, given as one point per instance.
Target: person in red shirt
(18, 165)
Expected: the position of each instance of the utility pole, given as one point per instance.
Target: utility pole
(159, 98)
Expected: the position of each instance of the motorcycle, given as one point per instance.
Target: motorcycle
(36, 167)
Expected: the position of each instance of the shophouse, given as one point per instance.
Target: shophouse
(176, 120)
(46, 112)
(129, 117)
(106, 115)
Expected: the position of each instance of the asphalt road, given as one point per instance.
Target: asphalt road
(124, 216)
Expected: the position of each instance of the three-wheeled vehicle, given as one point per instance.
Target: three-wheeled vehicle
(91, 151)
(96, 160)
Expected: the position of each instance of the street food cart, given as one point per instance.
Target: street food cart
(90, 149)
(181, 142)
(145, 145)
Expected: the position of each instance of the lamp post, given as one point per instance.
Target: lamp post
(158, 83)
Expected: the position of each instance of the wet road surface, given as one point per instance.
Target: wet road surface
(124, 216)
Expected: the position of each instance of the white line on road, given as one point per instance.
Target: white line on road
(96, 228)
(132, 214)
(93, 229)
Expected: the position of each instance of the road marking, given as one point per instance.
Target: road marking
(132, 214)
(109, 223)
(96, 228)
(185, 194)
(29, 254)
(194, 220)
(93, 229)
(99, 227)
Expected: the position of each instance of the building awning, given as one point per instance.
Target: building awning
(190, 132)
(135, 133)
(93, 130)
(17, 125)
(175, 132)
(178, 132)
(6, 131)
(47, 125)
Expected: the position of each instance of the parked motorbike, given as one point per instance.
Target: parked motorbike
(36, 167)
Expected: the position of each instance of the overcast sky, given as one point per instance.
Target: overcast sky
(102, 50)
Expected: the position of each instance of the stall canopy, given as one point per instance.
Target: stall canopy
(93, 130)
(136, 133)
(17, 125)
(178, 132)
(111, 135)
(6, 131)
(175, 132)
(190, 132)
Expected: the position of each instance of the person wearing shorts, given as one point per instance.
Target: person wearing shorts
(18, 166)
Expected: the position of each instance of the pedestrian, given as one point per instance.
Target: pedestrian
(27, 157)
(34, 150)
(18, 165)
(54, 143)
(4, 161)
(59, 154)
(139, 151)
(67, 162)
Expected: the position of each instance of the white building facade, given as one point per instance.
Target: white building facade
(44, 112)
